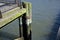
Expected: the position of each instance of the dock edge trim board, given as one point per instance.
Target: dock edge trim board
(8, 19)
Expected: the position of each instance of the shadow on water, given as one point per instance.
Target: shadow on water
(55, 28)
(7, 35)
(58, 35)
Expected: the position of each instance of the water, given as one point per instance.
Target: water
(10, 31)
(45, 13)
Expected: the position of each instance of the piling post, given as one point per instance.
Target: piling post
(25, 27)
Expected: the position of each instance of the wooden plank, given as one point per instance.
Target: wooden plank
(5, 14)
(6, 20)
(19, 38)
(0, 15)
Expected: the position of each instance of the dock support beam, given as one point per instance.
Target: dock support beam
(25, 27)
(19, 27)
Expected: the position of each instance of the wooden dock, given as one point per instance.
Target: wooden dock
(16, 13)
(6, 19)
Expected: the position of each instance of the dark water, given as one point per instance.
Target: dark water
(46, 14)
(10, 31)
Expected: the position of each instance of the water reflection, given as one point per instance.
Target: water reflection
(7, 36)
(55, 28)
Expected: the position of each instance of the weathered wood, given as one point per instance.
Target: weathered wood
(13, 14)
(11, 17)
(6, 8)
(25, 27)
(19, 38)
(0, 15)
(10, 12)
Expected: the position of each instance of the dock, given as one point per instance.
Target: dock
(17, 13)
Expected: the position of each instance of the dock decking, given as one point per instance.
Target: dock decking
(9, 18)
(16, 13)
